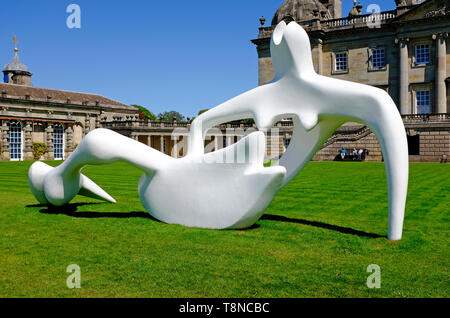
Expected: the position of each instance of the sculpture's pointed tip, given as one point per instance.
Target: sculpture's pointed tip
(112, 200)
(90, 189)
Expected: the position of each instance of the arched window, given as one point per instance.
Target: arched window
(15, 139)
(58, 142)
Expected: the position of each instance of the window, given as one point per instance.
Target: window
(58, 142)
(378, 60)
(286, 143)
(340, 62)
(164, 145)
(422, 54)
(15, 141)
(423, 102)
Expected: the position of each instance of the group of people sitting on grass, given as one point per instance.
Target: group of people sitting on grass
(354, 155)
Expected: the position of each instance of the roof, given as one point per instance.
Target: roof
(21, 92)
(300, 10)
(16, 65)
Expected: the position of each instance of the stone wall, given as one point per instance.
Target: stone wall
(433, 143)
(359, 137)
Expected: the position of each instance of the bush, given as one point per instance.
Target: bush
(171, 116)
(146, 113)
(38, 150)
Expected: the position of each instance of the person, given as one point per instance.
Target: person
(343, 153)
(360, 152)
(354, 154)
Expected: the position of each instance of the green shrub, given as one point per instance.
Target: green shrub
(38, 150)
(146, 113)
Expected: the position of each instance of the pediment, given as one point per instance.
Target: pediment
(426, 9)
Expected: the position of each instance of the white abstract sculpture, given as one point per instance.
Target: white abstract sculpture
(191, 191)
(200, 190)
(318, 106)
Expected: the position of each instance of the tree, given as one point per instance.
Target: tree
(145, 112)
(171, 116)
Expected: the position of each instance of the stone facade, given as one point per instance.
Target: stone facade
(403, 51)
(38, 111)
(412, 40)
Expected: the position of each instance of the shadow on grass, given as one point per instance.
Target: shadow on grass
(71, 210)
(345, 230)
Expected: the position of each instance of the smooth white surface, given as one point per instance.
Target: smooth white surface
(195, 191)
(200, 191)
(318, 106)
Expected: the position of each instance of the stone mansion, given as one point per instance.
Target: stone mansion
(403, 51)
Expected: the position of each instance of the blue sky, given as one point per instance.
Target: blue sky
(183, 55)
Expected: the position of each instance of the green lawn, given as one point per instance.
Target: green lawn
(316, 240)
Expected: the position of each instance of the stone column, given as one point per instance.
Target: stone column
(441, 65)
(317, 54)
(149, 140)
(87, 125)
(69, 141)
(98, 124)
(28, 139)
(265, 67)
(49, 142)
(403, 78)
(161, 144)
(5, 143)
(216, 143)
(175, 147)
(185, 145)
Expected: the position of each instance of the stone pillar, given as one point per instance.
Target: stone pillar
(28, 139)
(265, 67)
(441, 65)
(69, 141)
(216, 143)
(175, 147)
(149, 140)
(87, 125)
(161, 144)
(49, 142)
(403, 78)
(5, 143)
(185, 145)
(317, 54)
(98, 124)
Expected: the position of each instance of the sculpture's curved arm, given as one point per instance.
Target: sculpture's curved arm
(240, 107)
(60, 185)
(344, 101)
(103, 146)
